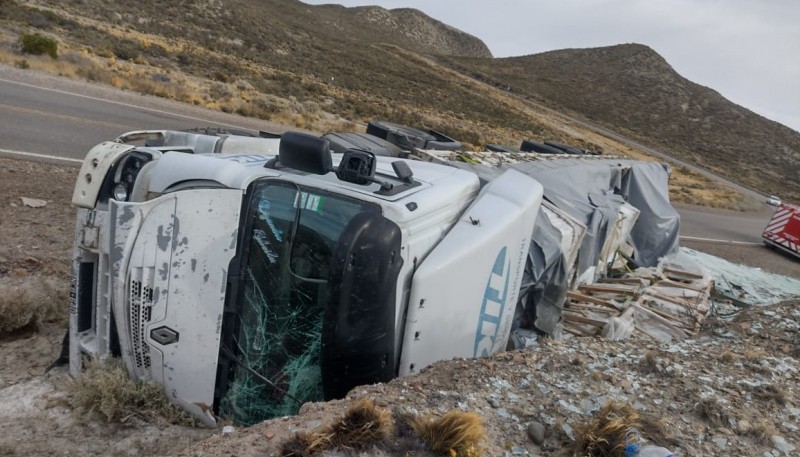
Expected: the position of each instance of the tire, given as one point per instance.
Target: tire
(342, 141)
(408, 138)
(533, 146)
(566, 148)
(501, 148)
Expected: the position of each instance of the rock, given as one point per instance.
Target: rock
(33, 202)
(720, 441)
(536, 433)
(495, 403)
(782, 445)
(743, 427)
(568, 431)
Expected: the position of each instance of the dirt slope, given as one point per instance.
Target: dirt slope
(731, 391)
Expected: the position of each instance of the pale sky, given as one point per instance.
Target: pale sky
(747, 50)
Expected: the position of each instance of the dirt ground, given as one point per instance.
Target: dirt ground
(731, 391)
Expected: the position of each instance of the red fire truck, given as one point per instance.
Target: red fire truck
(783, 230)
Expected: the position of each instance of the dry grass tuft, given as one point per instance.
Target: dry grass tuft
(763, 431)
(607, 433)
(27, 302)
(105, 388)
(770, 393)
(727, 357)
(364, 425)
(712, 412)
(649, 363)
(456, 434)
(754, 355)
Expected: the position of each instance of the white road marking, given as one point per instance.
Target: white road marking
(34, 155)
(711, 240)
(128, 105)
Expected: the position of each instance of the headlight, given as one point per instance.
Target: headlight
(120, 193)
(120, 183)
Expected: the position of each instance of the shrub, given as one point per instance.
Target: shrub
(27, 302)
(36, 44)
(105, 388)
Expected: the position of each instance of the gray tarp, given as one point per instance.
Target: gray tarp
(591, 191)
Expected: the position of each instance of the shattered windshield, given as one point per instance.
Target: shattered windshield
(277, 337)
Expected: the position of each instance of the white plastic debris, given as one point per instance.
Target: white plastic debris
(228, 430)
(33, 202)
(748, 284)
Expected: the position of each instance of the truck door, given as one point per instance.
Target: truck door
(464, 293)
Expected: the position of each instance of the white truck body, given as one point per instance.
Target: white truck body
(249, 275)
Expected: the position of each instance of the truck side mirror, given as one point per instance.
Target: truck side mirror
(304, 152)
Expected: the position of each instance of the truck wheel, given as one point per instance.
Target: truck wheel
(565, 147)
(533, 146)
(411, 137)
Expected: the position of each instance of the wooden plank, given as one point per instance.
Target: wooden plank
(680, 272)
(576, 331)
(641, 329)
(663, 321)
(681, 285)
(632, 281)
(675, 320)
(611, 289)
(590, 307)
(676, 300)
(577, 296)
(584, 320)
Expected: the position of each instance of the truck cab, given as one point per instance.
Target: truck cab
(251, 278)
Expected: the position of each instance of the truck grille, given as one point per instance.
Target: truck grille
(140, 298)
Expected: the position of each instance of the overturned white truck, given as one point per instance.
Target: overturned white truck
(249, 275)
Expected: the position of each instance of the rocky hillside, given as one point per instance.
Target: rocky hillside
(409, 28)
(631, 89)
(334, 68)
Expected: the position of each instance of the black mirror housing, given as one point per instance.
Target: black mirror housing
(304, 152)
(357, 167)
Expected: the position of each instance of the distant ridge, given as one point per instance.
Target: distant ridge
(329, 66)
(633, 90)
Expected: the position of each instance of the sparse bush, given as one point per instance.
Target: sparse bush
(607, 432)
(713, 412)
(457, 433)
(95, 73)
(219, 91)
(105, 388)
(126, 49)
(37, 44)
(727, 357)
(364, 425)
(30, 301)
(22, 63)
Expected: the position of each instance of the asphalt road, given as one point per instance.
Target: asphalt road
(699, 222)
(40, 114)
(56, 117)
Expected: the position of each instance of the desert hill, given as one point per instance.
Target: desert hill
(329, 67)
(631, 89)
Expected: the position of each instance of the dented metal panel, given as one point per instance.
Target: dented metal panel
(169, 262)
(96, 165)
(462, 300)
